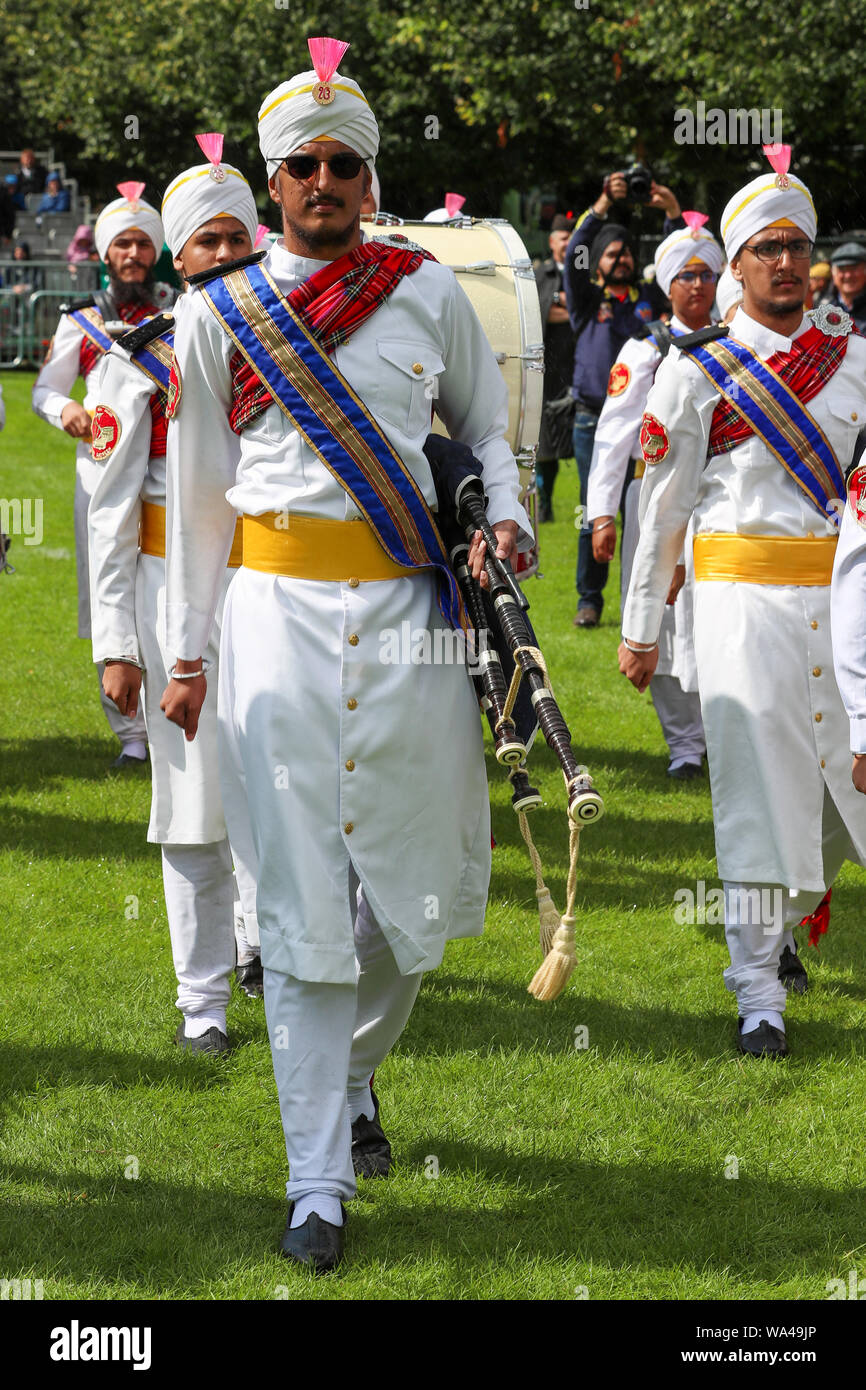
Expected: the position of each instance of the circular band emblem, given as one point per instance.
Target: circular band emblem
(173, 394)
(654, 441)
(105, 432)
(217, 173)
(323, 93)
(620, 376)
(857, 494)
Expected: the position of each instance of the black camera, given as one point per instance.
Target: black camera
(638, 180)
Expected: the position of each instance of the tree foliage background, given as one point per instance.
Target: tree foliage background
(526, 93)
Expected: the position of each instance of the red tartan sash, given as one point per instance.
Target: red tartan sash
(89, 353)
(806, 369)
(333, 303)
(158, 425)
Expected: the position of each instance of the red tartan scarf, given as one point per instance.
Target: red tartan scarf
(805, 370)
(158, 425)
(333, 303)
(90, 354)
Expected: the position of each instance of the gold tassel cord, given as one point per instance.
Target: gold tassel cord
(553, 974)
(548, 917)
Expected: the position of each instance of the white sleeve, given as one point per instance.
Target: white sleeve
(57, 376)
(618, 429)
(848, 623)
(2, 410)
(115, 510)
(473, 406)
(201, 465)
(669, 490)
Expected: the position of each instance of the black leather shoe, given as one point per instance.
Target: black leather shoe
(317, 1243)
(763, 1041)
(792, 972)
(213, 1042)
(250, 977)
(686, 772)
(371, 1152)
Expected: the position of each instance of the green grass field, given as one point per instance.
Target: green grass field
(604, 1171)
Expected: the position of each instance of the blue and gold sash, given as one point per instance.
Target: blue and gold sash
(155, 359)
(334, 421)
(92, 325)
(777, 416)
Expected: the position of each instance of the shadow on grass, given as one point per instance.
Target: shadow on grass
(27, 1069)
(459, 1014)
(37, 764)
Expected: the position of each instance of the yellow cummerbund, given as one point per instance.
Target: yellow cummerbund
(765, 559)
(151, 534)
(314, 547)
(639, 467)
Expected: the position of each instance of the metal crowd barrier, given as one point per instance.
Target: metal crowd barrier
(28, 319)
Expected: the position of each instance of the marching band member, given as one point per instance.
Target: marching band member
(687, 265)
(751, 435)
(366, 780)
(210, 219)
(129, 239)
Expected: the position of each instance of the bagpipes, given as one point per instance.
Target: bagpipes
(514, 690)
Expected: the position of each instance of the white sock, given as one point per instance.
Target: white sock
(322, 1203)
(197, 1026)
(752, 1021)
(360, 1102)
(136, 748)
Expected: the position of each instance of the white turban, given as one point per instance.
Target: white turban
(762, 203)
(289, 118)
(682, 246)
(195, 196)
(126, 212)
(728, 292)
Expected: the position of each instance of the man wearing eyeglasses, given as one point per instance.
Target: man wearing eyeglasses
(687, 265)
(306, 384)
(750, 437)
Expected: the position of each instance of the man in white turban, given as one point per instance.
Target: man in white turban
(687, 264)
(210, 219)
(748, 438)
(129, 239)
(365, 776)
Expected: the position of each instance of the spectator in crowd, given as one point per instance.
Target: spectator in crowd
(31, 175)
(82, 246)
(55, 198)
(848, 266)
(7, 213)
(22, 277)
(558, 407)
(819, 282)
(607, 306)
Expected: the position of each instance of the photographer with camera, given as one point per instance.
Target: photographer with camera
(607, 304)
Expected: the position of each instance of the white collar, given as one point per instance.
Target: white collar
(764, 341)
(285, 261)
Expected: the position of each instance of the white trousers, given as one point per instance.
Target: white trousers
(679, 713)
(326, 1041)
(759, 917)
(199, 899)
(127, 730)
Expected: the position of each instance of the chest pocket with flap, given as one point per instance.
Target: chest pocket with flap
(407, 383)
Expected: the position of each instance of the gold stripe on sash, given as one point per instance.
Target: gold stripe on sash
(151, 535)
(765, 559)
(314, 547)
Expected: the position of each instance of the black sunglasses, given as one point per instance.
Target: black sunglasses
(343, 166)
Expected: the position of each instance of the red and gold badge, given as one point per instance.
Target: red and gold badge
(323, 93)
(620, 376)
(173, 394)
(105, 432)
(857, 494)
(654, 441)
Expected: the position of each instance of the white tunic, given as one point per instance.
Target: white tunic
(617, 439)
(348, 758)
(128, 612)
(848, 610)
(775, 724)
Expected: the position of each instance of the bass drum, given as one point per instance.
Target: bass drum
(493, 268)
